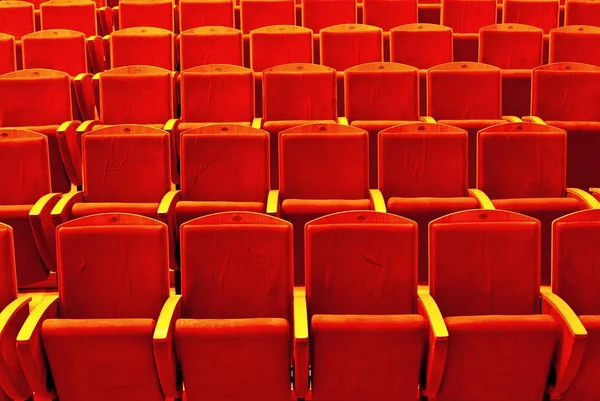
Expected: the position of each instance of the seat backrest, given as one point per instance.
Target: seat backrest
(16, 18)
(24, 159)
(217, 93)
(408, 41)
(582, 12)
(200, 13)
(382, 91)
(35, 97)
(299, 92)
(485, 262)
(143, 46)
(388, 14)
(575, 264)
(8, 275)
(112, 265)
(8, 58)
(566, 92)
(280, 44)
(210, 45)
(543, 14)
(56, 49)
(136, 94)
(522, 160)
(511, 46)
(126, 163)
(575, 43)
(77, 15)
(256, 14)
(464, 91)
(324, 161)
(347, 45)
(319, 14)
(361, 263)
(147, 13)
(468, 16)
(236, 265)
(423, 160)
(224, 162)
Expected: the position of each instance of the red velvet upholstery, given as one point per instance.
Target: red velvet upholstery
(361, 297)
(521, 167)
(275, 45)
(8, 60)
(201, 13)
(210, 45)
(564, 95)
(56, 49)
(142, 46)
(39, 100)
(319, 14)
(237, 306)
(542, 14)
(484, 268)
(582, 12)
(468, 96)
(323, 169)
(75, 15)
(16, 18)
(136, 95)
(378, 96)
(256, 14)
(388, 14)
(423, 175)
(147, 13)
(223, 167)
(113, 282)
(575, 44)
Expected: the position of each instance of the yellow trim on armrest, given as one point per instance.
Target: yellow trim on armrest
(427, 119)
(61, 213)
(482, 198)
(10, 311)
(167, 203)
(586, 198)
(273, 203)
(11, 320)
(534, 119)
(512, 119)
(342, 121)
(43, 228)
(377, 201)
(164, 348)
(87, 126)
(257, 123)
(301, 345)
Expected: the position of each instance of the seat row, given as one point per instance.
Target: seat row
(484, 328)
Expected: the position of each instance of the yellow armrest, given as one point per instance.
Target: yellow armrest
(164, 349)
(167, 205)
(257, 123)
(533, 119)
(342, 121)
(427, 119)
(43, 229)
(583, 197)
(512, 119)
(62, 211)
(273, 203)
(301, 346)
(377, 201)
(482, 198)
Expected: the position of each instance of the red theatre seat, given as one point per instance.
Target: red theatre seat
(324, 168)
(145, 13)
(56, 49)
(236, 319)
(582, 12)
(543, 14)
(565, 95)
(522, 168)
(8, 54)
(423, 175)
(504, 334)
(201, 13)
(93, 340)
(368, 326)
(140, 46)
(516, 49)
(224, 167)
(17, 19)
(255, 14)
(467, 96)
(576, 43)
(388, 14)
(210, 45)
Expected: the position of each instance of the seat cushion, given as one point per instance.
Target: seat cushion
(188, 210)
(321, 207)
(535, 206)
(278, 126)
(423, 205)
(88, 208)
(367, 357)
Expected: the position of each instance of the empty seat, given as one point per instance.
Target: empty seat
(575, 43)
(467, 96)
(56, 49)
(324, 168)
(582, 12)
(256, 14)
(466, 18)
(296, 94)
(16, 18)
(8, 57)
(224, 167)
(423, 175)
(543, 14)
(210, 45)
(102, 321)
(199, 13)
(378, 96)
(388, 14)
(77, 15)
(516, 49)
(522, 168)
(363, 306)
(565, 95)
(406, 46)
(146, 13)
(41, 101)
(141, 46)
(502, 329)
(319, 14)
